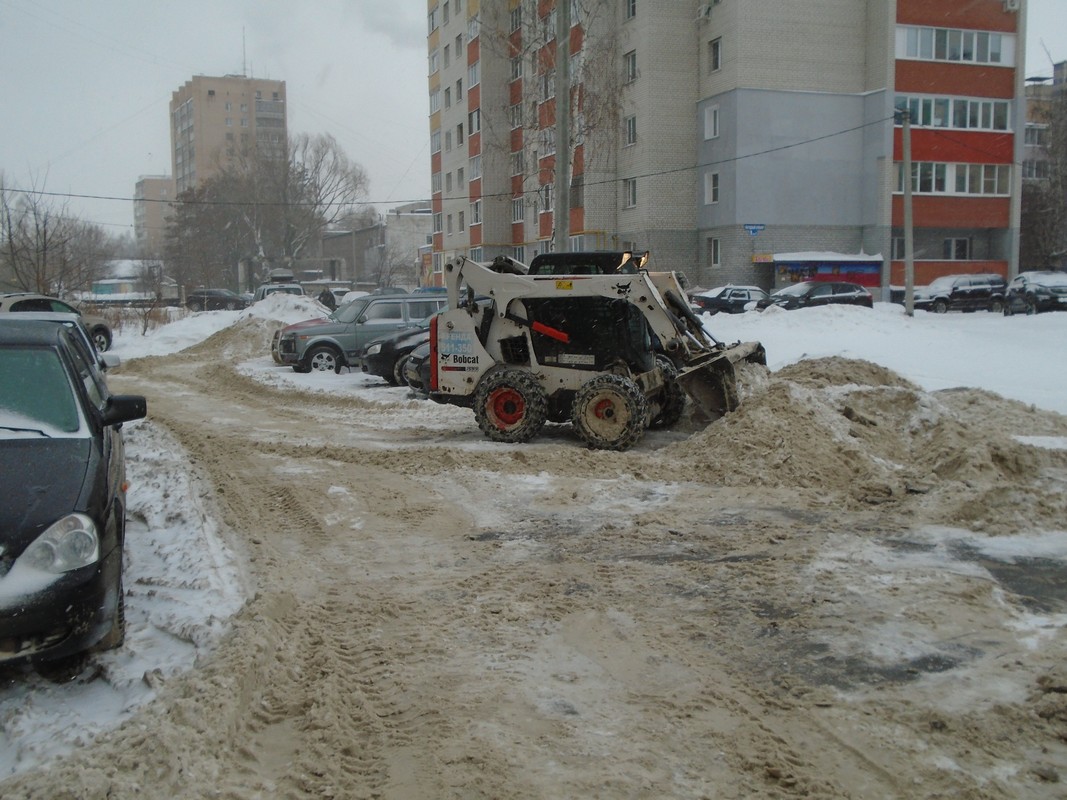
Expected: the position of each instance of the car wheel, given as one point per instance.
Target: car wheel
(510, 406)
(996, 305)
(322, 359)
(1031, 306)
(117, 635)
(102, 339)
(62, 670)
(609, 412)
(939, 306)
(1008, 310)
(398, 370)
(196, 305)
(232, 306)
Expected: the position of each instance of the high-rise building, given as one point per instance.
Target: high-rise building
(749, 141)
(215, 120)
(151, 208)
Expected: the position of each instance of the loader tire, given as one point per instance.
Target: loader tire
(672, 402)
(610, 412)
(510, 406)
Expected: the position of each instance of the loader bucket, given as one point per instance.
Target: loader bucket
(712, 382)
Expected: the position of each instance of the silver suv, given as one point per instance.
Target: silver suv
(30, 301)
(337, 341)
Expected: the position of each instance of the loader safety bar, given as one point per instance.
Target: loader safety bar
(540, 327)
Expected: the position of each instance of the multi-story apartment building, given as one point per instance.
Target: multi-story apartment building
(151, 208)
(214, 120)
(748, 141)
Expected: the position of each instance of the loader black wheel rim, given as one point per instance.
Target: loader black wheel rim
(610, 412)
(510, 405)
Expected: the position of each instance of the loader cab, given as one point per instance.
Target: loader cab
(596, 262)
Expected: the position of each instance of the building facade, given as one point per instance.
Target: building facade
(151, 208)
(720, 134)
(216, 120)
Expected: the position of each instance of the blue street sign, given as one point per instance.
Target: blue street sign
(754, 227)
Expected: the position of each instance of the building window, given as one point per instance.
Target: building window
(711, 187)
(951, 44)
(516, 18)
(435, 142)
(629, 62)
(433, 19)
(519, 254)
(448, 54)
(229, 106)
(548, 142)
(715, 55)
(629, 192)
(459, 177)
(459, 222)
(1036, 135)
(438, 220)
(956, 112)
(459, 90)
(474, 73)
(475, 166)
(547, 82)
(960, 179)
(518, 209)
(435, 182)
(897, 249)
(229, 122)
(459, 44)
(711, 122)
(517, 163)
(435, 101)
(631, 8)
(516, 67)
(435, 59)
(444, 13)
(448, 100)
(459, 134)
(515, 115)
(546, 193)
(1035, 169)
(715, 252)
(476, 212)
(473, 29)
(448, 141)
(474, 122)
(448, 181)
(631, 130)
(448, 225)
(957, 249)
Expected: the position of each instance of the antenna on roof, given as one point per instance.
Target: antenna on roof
(244, 70)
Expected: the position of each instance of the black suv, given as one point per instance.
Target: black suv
(961, 293)
(1037, 290)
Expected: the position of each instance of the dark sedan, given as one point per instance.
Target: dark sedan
(1034, 291)
(214, 300)
(809, 294)
(385, 357)
(417, 369)
(730, 299)
(62, 498)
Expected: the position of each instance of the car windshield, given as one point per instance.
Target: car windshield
(796, 290)
(712, 292)
(944, 282)
(1051, 279)
(36, 396)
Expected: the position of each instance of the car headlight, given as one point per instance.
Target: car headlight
(373, 349)
(70, 543)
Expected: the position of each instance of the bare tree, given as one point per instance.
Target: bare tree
(44, 248)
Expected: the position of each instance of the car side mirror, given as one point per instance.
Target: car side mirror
(362, 318)
(125, 408)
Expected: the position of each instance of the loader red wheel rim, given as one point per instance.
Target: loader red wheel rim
(507, 407)
(604, 409)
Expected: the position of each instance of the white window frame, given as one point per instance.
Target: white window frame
(629, 192)
(629, 62)
(711, 122)
(714, 55)
(630, 131)
(712, 188)
(518, 209)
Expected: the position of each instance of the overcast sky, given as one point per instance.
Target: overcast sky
(87, 85)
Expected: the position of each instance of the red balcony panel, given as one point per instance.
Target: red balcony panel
(954, 212)
(963, 80)
(474, 96)
(515, 91)
(926, 271)
(475, 234)
(516, 185)
(474, 189)
(983, 15)
(516, 139)
(518, 232)
(544, 225)
(546, 114)
(578, 219)
(952, 146)
(474, 144)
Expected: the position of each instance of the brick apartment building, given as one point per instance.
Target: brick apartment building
(746, 141)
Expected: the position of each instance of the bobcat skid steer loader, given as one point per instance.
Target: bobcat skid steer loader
(587, 337)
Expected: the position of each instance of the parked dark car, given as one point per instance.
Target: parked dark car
(808, 294)
(417, 369)
(29, 301)
(1034, 291)
(214, 300)
(729, 299)
(384, 357)
(62, 498)
(961, 293)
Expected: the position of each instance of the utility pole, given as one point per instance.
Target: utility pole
(909, 239)
(561, 217)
